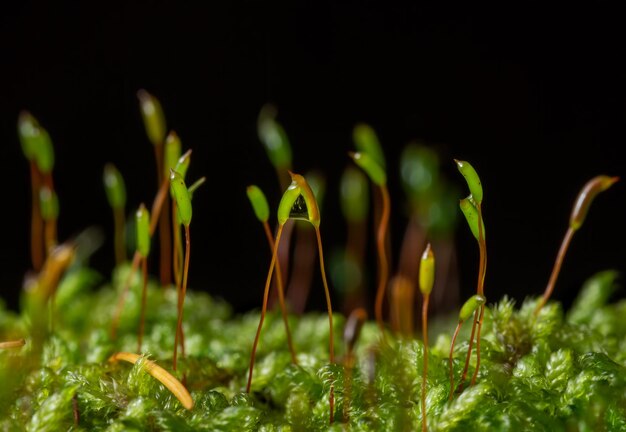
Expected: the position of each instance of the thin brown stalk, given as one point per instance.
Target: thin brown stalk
(482, 264)
(177, 256)
(331, 339)
(284, 258)
(50, 226)
(181, 297)
(144, 293)
(469, 350)
(456, 333)
(165, 242)
(480, 324)
(281, 295)
(383, 270)
(36, 222)
(157, 204)
(425, 371)
(284, 179)
(478, 315)
(177, 264)
(556, 269)
(482, 270)
(264, 306)
(120, 303)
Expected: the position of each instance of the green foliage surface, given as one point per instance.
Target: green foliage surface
(556, 372)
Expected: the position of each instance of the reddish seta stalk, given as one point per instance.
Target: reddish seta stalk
(382, 257)
(478, 315)
(181, 297)
(425, 371)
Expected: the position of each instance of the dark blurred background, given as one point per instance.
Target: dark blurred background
(535, 98)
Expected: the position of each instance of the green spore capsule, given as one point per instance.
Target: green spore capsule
(49, 202)
(142, 218)
(354, 194)
(274, 138)
(288, 202)
(172, 152)
(427, 271)
(470, 306)
(258, 202)
(586, 196)
(30, 134)
(114, 186)
(471, 215)
(153, 117)
(44, 156)
(181, 195)
(472, 179)
(35, 141)
(298, 202)
(373, 169)
(366, 141)
(183, 164)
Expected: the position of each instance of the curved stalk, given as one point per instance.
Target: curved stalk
(469, 350)
(264, 307)
(456, 333)
(50, 226)
(144, 292)
(383, 269)
(331, 339)
(177, 256)
(480, 325)
(119, 223)
(425, 371)
(181, 297)
(556, 269)
(120, 303)
(281, 293)
(177, 264)
(165, 242)
(36, 222)
(478, 317)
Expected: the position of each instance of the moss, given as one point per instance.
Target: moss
(553, 372)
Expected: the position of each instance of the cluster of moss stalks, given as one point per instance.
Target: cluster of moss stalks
(541, 368)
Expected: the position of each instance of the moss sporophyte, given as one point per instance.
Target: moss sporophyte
(79, 357)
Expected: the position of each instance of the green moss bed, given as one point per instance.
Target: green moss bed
(561, 371)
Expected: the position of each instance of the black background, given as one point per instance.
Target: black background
(534, 98)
